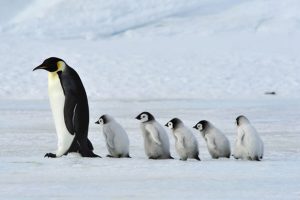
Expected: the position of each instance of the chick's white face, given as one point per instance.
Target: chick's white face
(101, 122)
(170, 125)
(144, 117)
(199, 127)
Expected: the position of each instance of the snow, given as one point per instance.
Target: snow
(29, 134)
(196, 59)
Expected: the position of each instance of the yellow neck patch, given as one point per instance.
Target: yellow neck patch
(60, 66)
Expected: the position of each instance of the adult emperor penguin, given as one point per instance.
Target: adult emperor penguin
(185, 142)
(117, 141)
(156, 140)
(217, 143)
(248, 144)
(69, 107)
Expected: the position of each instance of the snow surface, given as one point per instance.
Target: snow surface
(196, 59)
(28, 133)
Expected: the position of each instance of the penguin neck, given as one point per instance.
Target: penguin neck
(54, 85)
(52, 76)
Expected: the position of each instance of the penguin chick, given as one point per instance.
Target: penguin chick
(69, 107)
(117, 141)
(217, 143)
(156, 140)
(185, 142)
(248, 144)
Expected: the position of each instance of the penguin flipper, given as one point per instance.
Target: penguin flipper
(110, 137)
(212, 144)
(70, 113)
(154, 133)
(241, 136)
(181, 142)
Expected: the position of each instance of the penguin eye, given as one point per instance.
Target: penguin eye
(170, 124)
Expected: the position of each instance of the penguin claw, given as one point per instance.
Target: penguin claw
(50, 155)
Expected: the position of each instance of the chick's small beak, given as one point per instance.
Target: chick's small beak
(97, 122)
(137, 117)
(166, 124)
(195, 127)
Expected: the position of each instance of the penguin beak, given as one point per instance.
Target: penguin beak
(195, 127)
(39, 67)
(137, 117)
(166, 124)
(97, 122)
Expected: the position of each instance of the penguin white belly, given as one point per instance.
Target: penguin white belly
(57, 101)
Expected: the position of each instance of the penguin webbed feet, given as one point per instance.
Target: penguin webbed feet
(197, 158)
(90, 155)
(128, 156)
(50, 155)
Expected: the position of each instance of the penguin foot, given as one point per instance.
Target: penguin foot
(50, 155)
(256, 158)
(90, 155)
(109, 156)
(128, 156)
(153, 158)
(170, 157)
(197, 158)
(183, 159)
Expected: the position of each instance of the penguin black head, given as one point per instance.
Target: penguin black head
(145, 117)
(52, 64)
(241, 119)
(104, 119)
(174, 123)
(202, 125)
